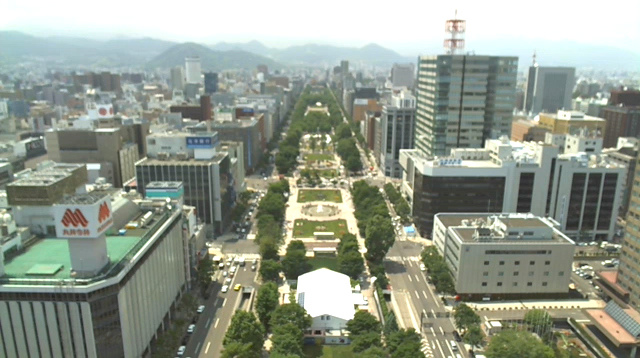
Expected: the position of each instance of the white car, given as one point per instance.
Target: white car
(423, 267)
(200, 309)
(227, 280)
(224, 273)
(191, 328)
(225, 288)
(181, 350)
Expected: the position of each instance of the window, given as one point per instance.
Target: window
(546, 273)
(547, 263)
(515, 284)
(517, 263)
(499, 283)
(561, 273)
(486, 263)
(484, 284)
(318, 332)
(500, 273)
(544, 284)
(485, 274)
(516, 273)
(529, 284)
(328, 317)
(501, 263)
(532, 263)
(530, 273)
(322, 318)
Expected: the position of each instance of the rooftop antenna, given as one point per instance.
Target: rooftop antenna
(455, 28)
(535, 64)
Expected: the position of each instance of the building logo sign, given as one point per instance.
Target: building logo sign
(83, 221)
(199, 142)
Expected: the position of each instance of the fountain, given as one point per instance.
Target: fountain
(319, 210)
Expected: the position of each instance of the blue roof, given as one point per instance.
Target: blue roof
(409, 229)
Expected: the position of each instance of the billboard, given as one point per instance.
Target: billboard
(200, 142)
(83, 221)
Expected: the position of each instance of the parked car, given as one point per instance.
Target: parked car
(457, 337)
(200, 309)
(191, 328)
(181, 350)
(225, 288)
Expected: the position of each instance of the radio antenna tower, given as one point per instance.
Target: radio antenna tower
(454, 29)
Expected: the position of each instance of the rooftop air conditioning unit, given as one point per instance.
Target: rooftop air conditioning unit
(163, 155)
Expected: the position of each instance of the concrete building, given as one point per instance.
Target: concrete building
(571, 122)
(83, 289)
(504, 256)
(362, 106)
(327, 297)
(177, 78)
(549, 89)
(463, 100)
(193, 70)
(625, 154)
(525, 130)
(622, 116)
(582, 191)
(629, 269)
(403, 75)
(194, 160)
(116, 148)
(397, 124)
(369, 127)
(202, 112)
(248, 133)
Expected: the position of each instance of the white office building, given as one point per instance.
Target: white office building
(193, 70)
(504, 255)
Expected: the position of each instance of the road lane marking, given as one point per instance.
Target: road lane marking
(440, 348)
(424, 294)
(410, 279)
(413, 317)
(417, 279)
(215, 325)
(223, 302)
(197, 347)
(417, 295)
(441, 330)
(397, 309)
(433, 313)
(433, 331)
(206, 349)
(208, 321)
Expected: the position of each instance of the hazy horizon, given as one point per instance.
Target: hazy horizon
(412, 31)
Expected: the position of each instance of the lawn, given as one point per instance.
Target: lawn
(307, 195)
(325, 173)
(328, 352)
(318, 156)
(327, 262)
(306, 228)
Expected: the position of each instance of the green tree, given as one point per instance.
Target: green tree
(540, 322)
(405, 344)
(373, 352)
(291, 313)
(281, 187)
(354, 163)
(473, 335)
(379, 237)
(269, 228)
(266, 302)
(245, 329)
(269, 249)
(287, 339)
(465, 317)
(348, 242)
(270, 270)
(390, 324)
(295, 262)
(272, 204)
(365, 340)
(363, 322)
(351, 264)
(237, 349)
(517, 344)
(205, 271)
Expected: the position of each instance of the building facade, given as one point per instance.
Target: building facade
(462, 101)
(397, 126)
(629, 269)
(571, 122)
(500, 256)
(193, 70)
(582, 191)
(403, 75)
(210, 82)
(549, 89)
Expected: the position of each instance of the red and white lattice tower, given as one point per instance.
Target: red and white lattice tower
(454, 28)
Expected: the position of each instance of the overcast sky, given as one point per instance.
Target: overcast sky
(399, 25)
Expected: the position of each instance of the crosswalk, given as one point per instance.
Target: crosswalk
(404, 258)
(426, 348)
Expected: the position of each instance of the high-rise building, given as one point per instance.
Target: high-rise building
(210, 82)
(622, 115)
(571, 122)
(177, 78)
(193, 70)
(581, 189)
(500, 256)
(397, 128)
(193, 160)
(344, 67)
(629, 269)
(81, 288)
(202, 112)
(403, 75)
(463, 100)
(549, 89)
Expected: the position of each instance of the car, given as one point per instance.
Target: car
(181, 350)
(237, 287)
(264, 178)
(227, 280)
(191, 328)
(221, 265)
(200, 309)
(456, 336)
(225, 288)
(587, 277)
(423, 267)
(255, 261)
(224, 273)
(253, 267)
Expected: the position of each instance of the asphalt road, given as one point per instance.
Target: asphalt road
(415, 301)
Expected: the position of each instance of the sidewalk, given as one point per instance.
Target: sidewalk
(540, 304)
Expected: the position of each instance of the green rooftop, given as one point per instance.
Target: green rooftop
(49, 258)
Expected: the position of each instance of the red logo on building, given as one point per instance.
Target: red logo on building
(104, 213)
(74, 218)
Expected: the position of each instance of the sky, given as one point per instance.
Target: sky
(399, 25)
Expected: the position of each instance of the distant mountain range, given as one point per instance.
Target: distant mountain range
(152, 53)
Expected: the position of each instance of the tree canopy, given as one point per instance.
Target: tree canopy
(465, 317)
(266, 302)
(517, 344)
(247, 334)
(270, 270)
(295, 262)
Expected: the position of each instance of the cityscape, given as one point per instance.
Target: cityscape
(379, 194)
